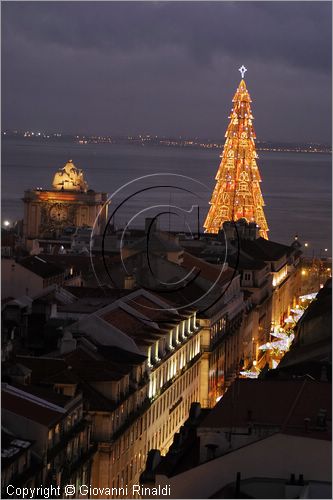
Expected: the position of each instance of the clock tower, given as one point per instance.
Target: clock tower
(69, 204)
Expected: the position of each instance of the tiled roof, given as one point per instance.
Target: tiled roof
(263, 249)
(78, 262)
(82, 306)
(25, 405)
(245, 262)
(121, 356)
(210, 272)
(191, 293)
(97, 292)
(152, 310)
(42, 367)
(141, 332)
(75, 366)
(45, 393)
(281, 403)
(82, 263)
(55, 294)
(41, 267)
(81, 368)
(158, 242)
(93, 370)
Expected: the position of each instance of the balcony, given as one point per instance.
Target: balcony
(72, 466)
(131, 418)
(65, 438)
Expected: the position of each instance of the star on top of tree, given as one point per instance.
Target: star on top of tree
(242, 70)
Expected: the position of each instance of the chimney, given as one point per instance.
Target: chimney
(253, 231)
(238, 484)
(54, 309)
(129, 282)
(228, 230)
(67, 343)
(307, 421)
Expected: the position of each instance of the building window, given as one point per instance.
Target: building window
(50, 436)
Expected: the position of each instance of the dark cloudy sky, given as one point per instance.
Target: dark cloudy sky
(166, 68)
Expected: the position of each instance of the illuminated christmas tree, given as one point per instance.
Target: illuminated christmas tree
(237, 192)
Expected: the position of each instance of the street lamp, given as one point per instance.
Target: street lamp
(6, 223)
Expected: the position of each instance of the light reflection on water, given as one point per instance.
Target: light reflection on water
(296, 186)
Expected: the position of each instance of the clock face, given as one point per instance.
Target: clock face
(58, 213)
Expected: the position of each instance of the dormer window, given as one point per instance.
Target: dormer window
(194, 321)
(182, 329)
(178, 331)
(149, 357)
(156, 352)
(170, 340)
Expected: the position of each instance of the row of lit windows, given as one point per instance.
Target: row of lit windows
(170, 368)
(168, 429)
(175, 337)
(162, 404)
(72, 452)
(17, 467)
(278, 277)
(218, 328)
(120, 414)
(72, 419)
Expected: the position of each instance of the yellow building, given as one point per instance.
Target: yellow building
(69, 203)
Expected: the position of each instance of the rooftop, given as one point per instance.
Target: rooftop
(210, 272)
(157, 242)
(41, 267)
(263, 249)
(140, 331)
(281, 403)
(12, 447)
(30, 407)
(97, 292)
(153, 310)
(45, 393)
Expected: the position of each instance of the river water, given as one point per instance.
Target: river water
(296, 186)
